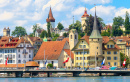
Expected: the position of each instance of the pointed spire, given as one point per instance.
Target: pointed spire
(85, 13)
(95, 33)
(73, 22)
(50, 16)
(85, 10)
(95, 21)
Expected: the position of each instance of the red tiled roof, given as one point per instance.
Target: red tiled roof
(32, 64)
(11, 65)
(66, 39)
(85, 13)
(11, 42)
(124, 38)
(106, 27)
(50, 17)
(68, 52)
(52, 50)
(33, 39)
(86, 38)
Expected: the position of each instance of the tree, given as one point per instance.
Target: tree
(48, 29)
(117, 22)
(35, 27)
(43, 34)
(101, 21)
(50, 65)
(55, 36)
(127, 23)
(19, 31)
(60, 26)
(89, 24)
(31, 35)
(77, 26)
(122, 58)
(65, 34)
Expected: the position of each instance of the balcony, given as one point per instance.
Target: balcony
(24, 52)
(93, 60)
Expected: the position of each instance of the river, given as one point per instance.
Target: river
(70, 79)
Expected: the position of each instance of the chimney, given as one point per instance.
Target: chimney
(19, 37)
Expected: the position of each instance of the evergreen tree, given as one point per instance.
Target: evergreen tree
(127, 23)
(43, 34)
(48, 29)
(60, 26)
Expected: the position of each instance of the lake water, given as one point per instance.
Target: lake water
(70, 79)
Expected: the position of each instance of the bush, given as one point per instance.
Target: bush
(50, 65)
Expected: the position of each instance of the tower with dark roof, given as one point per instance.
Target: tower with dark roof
(51, 19)
(6, 32)
(84, 17)
(95, 40)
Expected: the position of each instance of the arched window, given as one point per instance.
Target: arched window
(75, 36)
(24, 61)
(71, 36)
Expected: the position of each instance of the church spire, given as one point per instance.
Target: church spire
(95, 33)
(73, 23)
(50, 16)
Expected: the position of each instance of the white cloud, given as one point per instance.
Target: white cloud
(122, 12)
(78, 11)
(6, 16)
(4, 2)
(25, 3)
(20, 22)
(97, 1)
(35, 17)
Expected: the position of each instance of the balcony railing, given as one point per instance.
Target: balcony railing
(24, 52)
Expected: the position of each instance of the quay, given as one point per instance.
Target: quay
(20, 72)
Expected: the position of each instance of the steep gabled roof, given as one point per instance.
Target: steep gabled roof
(50, 17)
(52, 50)
(68, 51)
(85, 14)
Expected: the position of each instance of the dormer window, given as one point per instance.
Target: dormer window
(111, 46)
(107, 46)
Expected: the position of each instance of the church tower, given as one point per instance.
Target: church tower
(51, 19)
(6, 32)
(95, 40)
(73, 37)
(84, 17)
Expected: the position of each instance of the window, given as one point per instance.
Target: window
(76, 58)
(9, 61)
(108, 52)
(108, 58)
(107, 46)
(0, 55)
(18, 50)
(24, 56)
(13, 56)
(115, 52)
(115, 63)
(13, 50)
(85, 52)
(13, 61)
(97, 47)
(84, 46)
(71, 36)
(109, 63)
(19, 61)
(75, 36)
(24, 61)
(80, 58)
(38, 62)
(115, 58)
(19, 56)
(20, 45)
(111, 46)
(103, 52)
(29, 51)
(27, 45)
(97, 53)
(1, 61)
(6, 51)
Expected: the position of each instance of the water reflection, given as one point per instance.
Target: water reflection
(70, 79)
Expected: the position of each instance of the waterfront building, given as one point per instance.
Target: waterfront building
(54, 52)
(35, 42)
(16, 49)
(84, 17)
(91, 50)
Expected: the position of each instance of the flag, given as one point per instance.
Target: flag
(66, 60)
(6, 61)
(124, 62)
(46, 61)
(103, 62)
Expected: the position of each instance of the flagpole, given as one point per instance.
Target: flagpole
(83, 55)
(44, 58)
(95, 59)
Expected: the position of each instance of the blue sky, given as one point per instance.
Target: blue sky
(26, 13)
